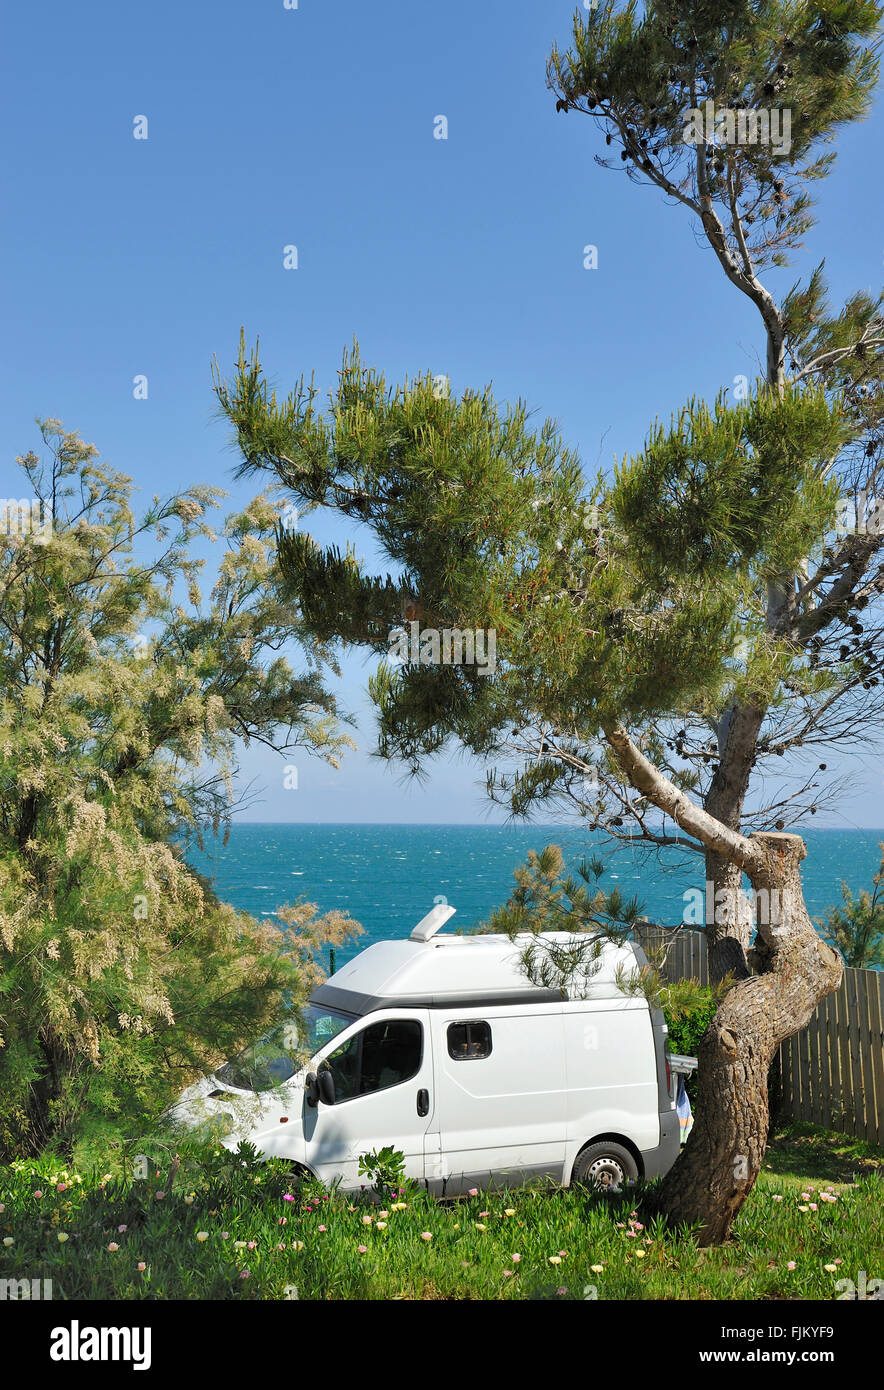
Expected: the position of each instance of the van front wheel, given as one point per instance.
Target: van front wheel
(605, 1166)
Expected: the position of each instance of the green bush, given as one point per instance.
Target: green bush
(686, 1028)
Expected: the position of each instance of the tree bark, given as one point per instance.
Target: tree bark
(718, 1167)
(729, 930)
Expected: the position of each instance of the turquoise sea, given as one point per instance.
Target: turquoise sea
(387, 876)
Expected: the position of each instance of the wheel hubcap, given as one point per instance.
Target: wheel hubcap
(606, 1172)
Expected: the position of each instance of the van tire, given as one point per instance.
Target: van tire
(605, 1165)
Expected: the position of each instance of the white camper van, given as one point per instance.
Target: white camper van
(440, 1046)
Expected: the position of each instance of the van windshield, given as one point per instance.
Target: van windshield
(283, 1051)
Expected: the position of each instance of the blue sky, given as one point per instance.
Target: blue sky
(313, 127)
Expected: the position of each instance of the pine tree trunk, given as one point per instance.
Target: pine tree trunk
(717, 1169)
(729, 932)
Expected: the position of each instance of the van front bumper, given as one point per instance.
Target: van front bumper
(657, 1162)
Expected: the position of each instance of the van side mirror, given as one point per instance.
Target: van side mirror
(326, 1086)
(320, 1088)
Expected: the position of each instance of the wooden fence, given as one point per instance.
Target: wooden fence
(832, 1072)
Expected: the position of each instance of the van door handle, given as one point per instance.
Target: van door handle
(423, 1102)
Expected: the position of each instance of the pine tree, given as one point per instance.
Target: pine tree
(647, 80)
(664, 636)
(856, 928)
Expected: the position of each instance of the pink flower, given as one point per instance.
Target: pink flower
(141, 1266)
(507, 1273)
(323, 1228)
(791, 1264)
(362, 1249)
(121, 1229)
(283, 1221)
(777, 1197)
(245, 1274)
(113, 1246)
(159, 1196)
(515, 1259)
(61, 1187)
(225, 1235)
(561, 1292)
(252, 1244)
(38, 1193)
(288, 1197)
(474, 1192)
(426, 1235)
(280, 1247)
(813, 1206)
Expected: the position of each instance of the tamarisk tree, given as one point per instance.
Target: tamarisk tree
(122, 692)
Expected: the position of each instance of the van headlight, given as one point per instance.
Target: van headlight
(214, 1126)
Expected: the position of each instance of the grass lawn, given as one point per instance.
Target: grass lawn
(224, 1231)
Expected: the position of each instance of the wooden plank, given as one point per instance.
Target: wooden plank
(785, 1059)
(846, 1092)
(795, 1066)
(809, 1076)
(826, 1018)
(865, 1053)
(869, 1046)
(816, 1052)
(856, 1075)
(804, 1067)
(791, 1096)
(834, 1061)
(876, 1028)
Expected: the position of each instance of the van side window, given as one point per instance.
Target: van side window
(382, 1055)
(469, 1041)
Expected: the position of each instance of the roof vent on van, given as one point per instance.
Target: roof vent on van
(429, 925)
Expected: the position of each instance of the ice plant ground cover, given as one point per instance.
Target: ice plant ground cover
(813, 1228)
